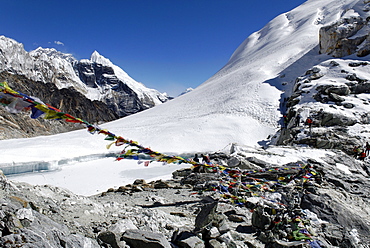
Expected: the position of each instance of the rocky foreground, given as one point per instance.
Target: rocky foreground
(250, 202)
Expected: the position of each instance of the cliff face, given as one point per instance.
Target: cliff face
(348, 35)
(117, 95)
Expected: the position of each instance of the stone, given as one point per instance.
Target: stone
(258, 162)
(206, 215)
(240, 162)
(365, 48)
(342, 90)
(121, 226)
(214, 243)
(235, 218)
(348, 105)
(213, 233)
(222, 224)
(160, 184)
(181, 173)
(108, 238)
(335, 98)
(228, 240)
(180, 214)
(191, 242)
(139, 182)
(139, 238)
(261, 219)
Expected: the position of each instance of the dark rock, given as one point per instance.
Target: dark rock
(258, 162)
(206, 215)
(235, 218)
(67, 100)
(348, 105)
(138, 238)
(334, 63)
(261, 219)
(178, 214)
(245, 229)
(160, 184)
(342, 90)
(330, 119)
(181, 173)
(122, 100)
(189, 240)
(357, 64)
(108, 238)
(139, 182)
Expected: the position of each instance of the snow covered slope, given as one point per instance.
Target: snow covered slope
(239, 104)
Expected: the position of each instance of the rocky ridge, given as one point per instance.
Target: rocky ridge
(316, 203)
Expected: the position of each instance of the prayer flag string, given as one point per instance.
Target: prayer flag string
(234, 180)
(16, 102)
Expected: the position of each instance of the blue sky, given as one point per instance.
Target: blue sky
(168, 45)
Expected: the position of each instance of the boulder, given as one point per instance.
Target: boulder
(335, 98)
(206, 215)
(138, 238)
(240, 162)
(160, 184)
(261, 219)
(190, 241)
(341, 90)
(109, 238)
(214, 243)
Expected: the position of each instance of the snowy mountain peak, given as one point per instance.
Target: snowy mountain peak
(99, 59)
(52, 53)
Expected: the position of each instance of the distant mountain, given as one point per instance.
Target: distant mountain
(97, 78)
(95, 89)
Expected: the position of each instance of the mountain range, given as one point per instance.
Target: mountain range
(99, 89)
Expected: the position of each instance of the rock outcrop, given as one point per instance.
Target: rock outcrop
(340, 39)
(335, 98)
(349, 35)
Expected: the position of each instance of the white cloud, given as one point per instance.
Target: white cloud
(59, 42)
